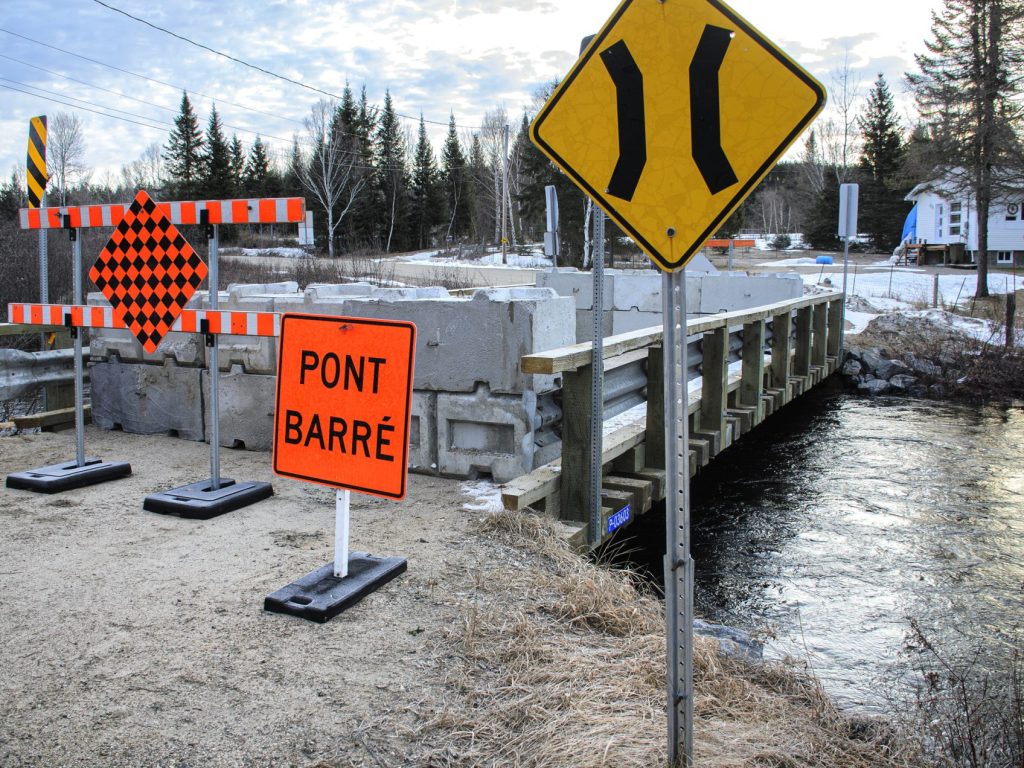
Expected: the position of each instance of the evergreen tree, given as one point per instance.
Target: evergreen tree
(12, 198)
(392, 178)
(216, 180)
(183, 154)
(480, 180)
(257, 170)
(427, 195)
(455, 177)
(968, 91)
(237, 167)
(292, 182)
(822, 227)
(882, 207)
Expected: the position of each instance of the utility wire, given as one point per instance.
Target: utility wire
(252, 66)
(76, 106)
(177, 88)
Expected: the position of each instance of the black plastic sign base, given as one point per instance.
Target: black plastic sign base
(199, 501)
(64, 477)
(320, 595)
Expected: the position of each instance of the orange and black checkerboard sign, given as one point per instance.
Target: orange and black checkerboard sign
(147, 271)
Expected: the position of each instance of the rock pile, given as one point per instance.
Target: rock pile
(873, 372)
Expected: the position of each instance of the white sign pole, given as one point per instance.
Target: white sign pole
(341, 519)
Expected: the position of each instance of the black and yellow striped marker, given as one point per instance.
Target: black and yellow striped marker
(37, 177)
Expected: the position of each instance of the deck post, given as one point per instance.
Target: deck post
(752, 382)
(654, 442)
(819, 350)
(782, 353)
(804, 330)
(835, 327)
(715, 383)
(576, 436)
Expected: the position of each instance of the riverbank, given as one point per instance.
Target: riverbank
(940, 354)
(136, 639)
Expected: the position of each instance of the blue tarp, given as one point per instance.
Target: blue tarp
(910, 225)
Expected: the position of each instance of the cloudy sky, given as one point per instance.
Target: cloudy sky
(124, 79)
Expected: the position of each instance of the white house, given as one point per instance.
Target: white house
(950, 218)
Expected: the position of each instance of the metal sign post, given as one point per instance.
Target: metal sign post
(679, 566)
(342, 508)
(216, 496)
(82, 471)
(597, 385)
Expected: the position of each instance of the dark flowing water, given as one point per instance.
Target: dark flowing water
(848, 517)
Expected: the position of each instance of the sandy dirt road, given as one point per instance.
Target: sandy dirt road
(132, 638)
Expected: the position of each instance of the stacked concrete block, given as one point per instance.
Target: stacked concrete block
(632, 298)
(474, 412)
(148, 399)
(481, 432)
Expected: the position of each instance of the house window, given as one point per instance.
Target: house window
(954, 218)
(940, 219)
(1013, 212)
(1004, 257)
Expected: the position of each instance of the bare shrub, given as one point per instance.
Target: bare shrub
(970, 712)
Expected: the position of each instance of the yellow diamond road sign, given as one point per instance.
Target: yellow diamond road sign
(670, 118)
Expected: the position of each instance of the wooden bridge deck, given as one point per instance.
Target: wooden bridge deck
(804, 349)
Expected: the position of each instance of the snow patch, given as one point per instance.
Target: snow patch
(485, 496)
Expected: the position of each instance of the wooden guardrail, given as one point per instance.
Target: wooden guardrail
(734, 396)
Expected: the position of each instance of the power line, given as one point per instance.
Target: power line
(190, 41)
(75, 106)
(178, 88)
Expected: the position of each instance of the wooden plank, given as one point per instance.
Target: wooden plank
(642, 490)
(50, 419)
(575, 356)
(19, 329)
(574, 493)
(632, 460)
(656, 478)
(835, 326)
(536, 486)
(702, 449)
(746, 416)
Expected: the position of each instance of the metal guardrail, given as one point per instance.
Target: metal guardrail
(751, 363)
(22, 373)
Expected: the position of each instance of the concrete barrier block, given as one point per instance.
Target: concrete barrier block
(246, 409)
(579, 286)
(147, 399)
(185, 349)
(423, 433)
(637, 289)
(731, 292)
(238, 291)
(483, 433)
(632, 320)
(461, 342)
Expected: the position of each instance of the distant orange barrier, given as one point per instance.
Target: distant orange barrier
(735, 243)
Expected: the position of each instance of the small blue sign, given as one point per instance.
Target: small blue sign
(620, 518)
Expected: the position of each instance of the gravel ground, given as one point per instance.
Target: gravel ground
(129, 638)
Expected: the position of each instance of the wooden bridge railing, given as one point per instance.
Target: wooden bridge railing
(751, 363)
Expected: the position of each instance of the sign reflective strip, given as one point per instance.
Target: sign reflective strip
(256, 211)
(267, 324)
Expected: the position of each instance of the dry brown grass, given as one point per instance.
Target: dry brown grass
(559, 662)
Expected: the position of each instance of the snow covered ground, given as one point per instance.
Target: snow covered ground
(910, 291)
(531, 259)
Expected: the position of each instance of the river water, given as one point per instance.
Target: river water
(843, 519)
